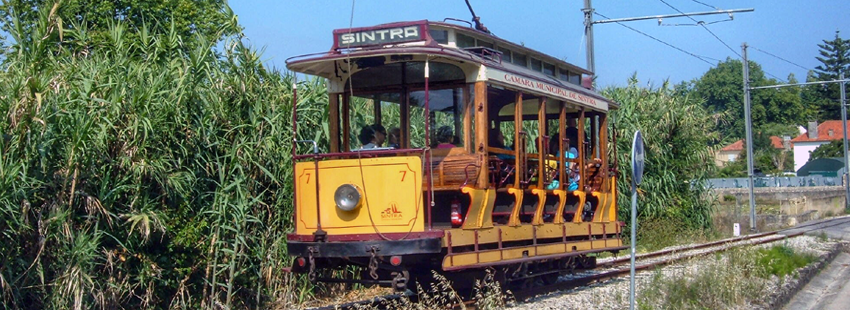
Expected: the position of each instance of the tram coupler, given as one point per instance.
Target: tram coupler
(311, 274)
(373, 262)
(400, 280)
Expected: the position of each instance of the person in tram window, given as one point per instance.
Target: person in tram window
(444, 138)
(372, 136)
(572, 153)
(497, 140)
(393, 140)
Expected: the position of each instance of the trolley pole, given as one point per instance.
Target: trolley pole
(749, 138)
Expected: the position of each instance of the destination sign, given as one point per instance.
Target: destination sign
(378, 36)
(545, 88)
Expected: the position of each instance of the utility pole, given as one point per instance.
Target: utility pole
(589, 22)
(749, 138)
(588, 33)
(846, 177)
(749, 128)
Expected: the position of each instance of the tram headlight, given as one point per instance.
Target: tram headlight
(347, 197)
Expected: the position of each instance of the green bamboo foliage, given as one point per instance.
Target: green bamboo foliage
(140, 174)
(677, 132)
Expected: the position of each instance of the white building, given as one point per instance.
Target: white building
(817, 135)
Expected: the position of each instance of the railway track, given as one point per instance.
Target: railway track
(619, 267)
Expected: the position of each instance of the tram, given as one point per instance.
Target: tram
(479, 153)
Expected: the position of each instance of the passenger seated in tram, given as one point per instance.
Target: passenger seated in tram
(393, 138)
(497, 140)
(572, 153)
(444, 138)
(372, 136)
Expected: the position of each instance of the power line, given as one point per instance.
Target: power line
(783, 59)
(703, 58)
(704, 27)
(703, 3)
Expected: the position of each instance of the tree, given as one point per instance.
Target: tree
(835, 59)
(89, 20)
(721, 88)
(832, 149)
(767, 158)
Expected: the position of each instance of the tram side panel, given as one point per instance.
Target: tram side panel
(391, 196)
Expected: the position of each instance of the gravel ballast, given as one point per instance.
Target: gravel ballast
(614, 294)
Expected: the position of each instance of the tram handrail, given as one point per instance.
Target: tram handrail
(361, 153)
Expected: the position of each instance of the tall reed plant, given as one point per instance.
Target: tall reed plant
(677, 132)
(145, 174)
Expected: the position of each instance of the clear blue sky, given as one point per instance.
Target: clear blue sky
(790, 29)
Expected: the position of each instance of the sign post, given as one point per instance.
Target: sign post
(637, 175)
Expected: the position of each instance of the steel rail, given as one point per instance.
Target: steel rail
(573, 283)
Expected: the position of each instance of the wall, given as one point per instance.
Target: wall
(801, 152)
(776, 207)
(789, 201)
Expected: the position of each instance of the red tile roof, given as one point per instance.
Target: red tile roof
(823, 132)
(739, 145)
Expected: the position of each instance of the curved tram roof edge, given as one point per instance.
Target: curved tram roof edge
(322, 64)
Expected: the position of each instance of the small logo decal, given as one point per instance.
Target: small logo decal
(391, 213)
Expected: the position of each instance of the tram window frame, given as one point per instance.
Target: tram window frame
(375, 117)
(520, 59)
(456, 114)
(575, 78)
(536, 64)
(439, 35)
(549, 69)
(464, 41)
(506, 54)
(564, 75)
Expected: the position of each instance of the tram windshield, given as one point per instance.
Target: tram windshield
(376, 114)
(387, 109)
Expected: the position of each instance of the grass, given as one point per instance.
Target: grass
(734, 279)
(654, 235)
(781, 260)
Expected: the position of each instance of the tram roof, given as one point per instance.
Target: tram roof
(351, 43)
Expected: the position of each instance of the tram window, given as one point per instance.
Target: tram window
(464, 41)
(390, 74)
(563, 75)
(446, 116)
(536, 64)
(575, 78)
(441, 36)
(364, 112)
(520, 59)
(506, 54)
(549, 69)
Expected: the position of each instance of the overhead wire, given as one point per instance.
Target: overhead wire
(703, 24)
(704, 27)
(705, 4)
(780, 58)
(703, 58)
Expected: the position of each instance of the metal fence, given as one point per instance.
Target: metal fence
(813, 180)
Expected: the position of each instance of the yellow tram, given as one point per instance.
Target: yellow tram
(482, 153)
